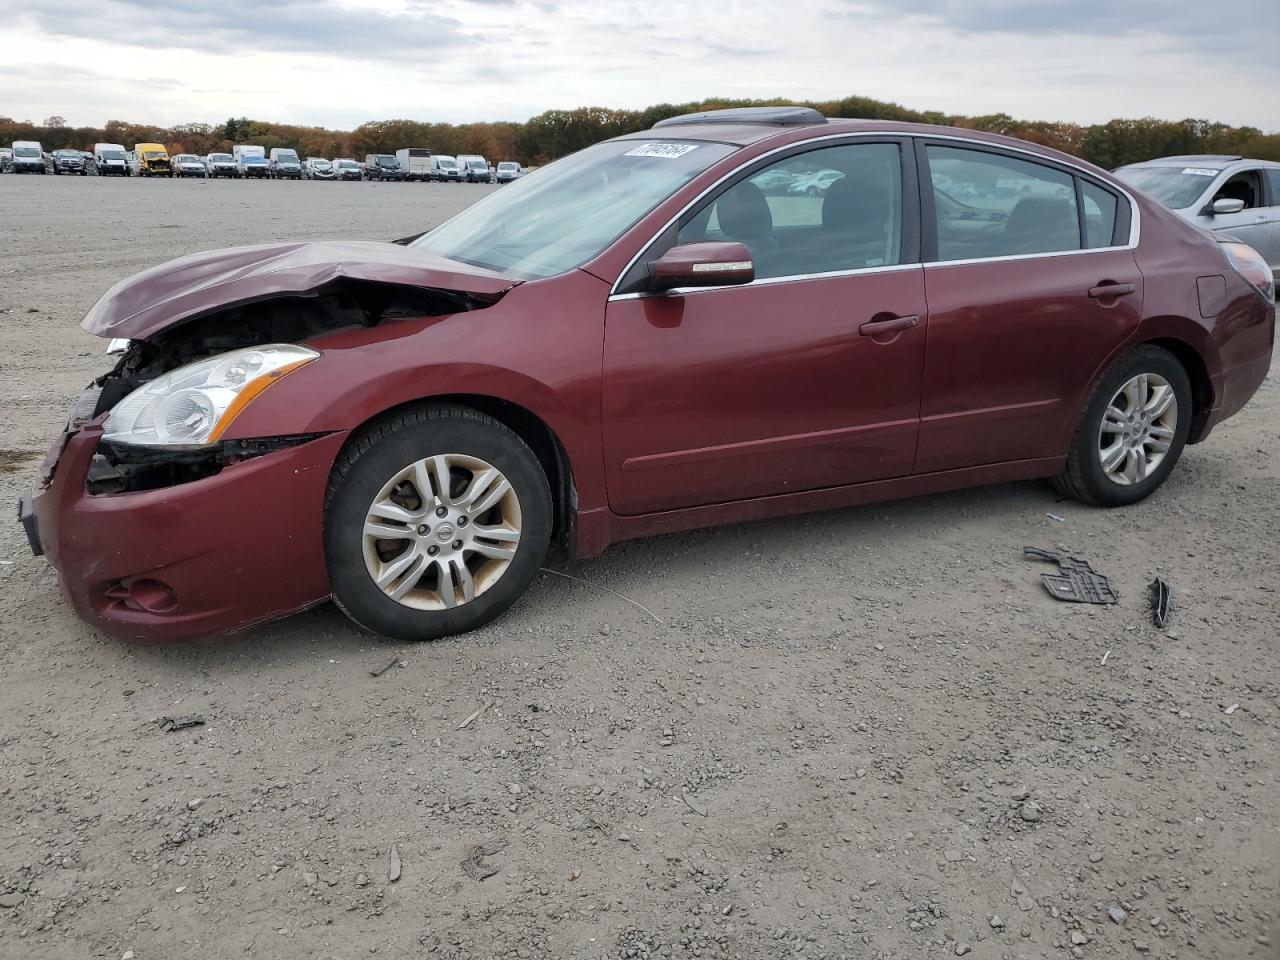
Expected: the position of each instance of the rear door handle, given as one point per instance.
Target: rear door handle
(876, 328)
(1105, 290)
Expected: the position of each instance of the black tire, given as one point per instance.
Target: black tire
(1083, 477)
(378, 453)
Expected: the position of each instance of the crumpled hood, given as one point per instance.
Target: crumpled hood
(148, 302)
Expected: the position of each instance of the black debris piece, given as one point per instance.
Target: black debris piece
(169, 724)
(1161, 602)
(379, 671)
(1077, 583)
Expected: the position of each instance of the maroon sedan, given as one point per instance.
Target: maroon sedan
(663, 331)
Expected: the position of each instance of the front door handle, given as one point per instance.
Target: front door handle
(877, 328)
(1105, 291)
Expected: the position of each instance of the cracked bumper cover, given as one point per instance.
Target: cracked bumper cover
(235, 549)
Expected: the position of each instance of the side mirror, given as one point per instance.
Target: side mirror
(708, 264)
(1226, 205)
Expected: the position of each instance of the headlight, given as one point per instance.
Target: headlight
(193, 405)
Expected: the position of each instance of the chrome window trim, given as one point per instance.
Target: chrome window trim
(770, 281)
(1135, 213)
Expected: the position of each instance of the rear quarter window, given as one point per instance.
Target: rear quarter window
(1100, 207)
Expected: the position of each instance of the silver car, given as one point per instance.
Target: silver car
(318, 168)
(1229, 194)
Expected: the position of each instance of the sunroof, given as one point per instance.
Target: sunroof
(777, 116)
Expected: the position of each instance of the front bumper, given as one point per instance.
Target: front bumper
(207, 557)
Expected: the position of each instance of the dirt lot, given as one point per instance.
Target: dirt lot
(861, 734)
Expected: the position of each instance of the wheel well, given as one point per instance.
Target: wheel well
(1201, 384)
(530, 428)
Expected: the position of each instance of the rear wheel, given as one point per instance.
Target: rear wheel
(436, 521)
(1134, 428)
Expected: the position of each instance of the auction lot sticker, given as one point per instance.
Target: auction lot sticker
(667, 151)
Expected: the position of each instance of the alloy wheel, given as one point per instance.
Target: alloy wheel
(441, 532)
(1137, 429)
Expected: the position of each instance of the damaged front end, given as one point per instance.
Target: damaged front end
(122, 467)
(142, 502)
(215, 304)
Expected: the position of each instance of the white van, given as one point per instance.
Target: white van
(28, 157)
(285, 164)
(251, 160)
(475, 168)
(110, 158)
(415, 162)
(444, 168)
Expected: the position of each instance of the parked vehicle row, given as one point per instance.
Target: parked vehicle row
(249, 161)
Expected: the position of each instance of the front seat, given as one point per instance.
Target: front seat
(855, 223)
(1042, 225)
(744, 216)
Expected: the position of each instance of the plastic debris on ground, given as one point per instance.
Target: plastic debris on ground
(1078, 582)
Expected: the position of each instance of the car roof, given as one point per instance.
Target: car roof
(1206, 160)
(746, 133)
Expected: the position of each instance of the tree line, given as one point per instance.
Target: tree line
(558, 132)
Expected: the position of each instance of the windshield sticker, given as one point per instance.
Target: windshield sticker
(1199, 172)
(667, 151)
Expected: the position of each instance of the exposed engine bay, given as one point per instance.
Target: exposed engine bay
(285, 318)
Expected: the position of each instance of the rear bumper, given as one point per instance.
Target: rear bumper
(208, 557)
(1246, 359)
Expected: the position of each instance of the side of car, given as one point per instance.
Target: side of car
(884, 348)
(951, 310)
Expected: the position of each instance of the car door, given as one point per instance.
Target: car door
(1271, 239)
(1027, 298)
(807, 377)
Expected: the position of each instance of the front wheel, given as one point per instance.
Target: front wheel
(1134, 427)
(436, 521)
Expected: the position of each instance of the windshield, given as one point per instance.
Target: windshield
(286, 156)
(562, 215)
(477, 165)
(26, 152)
(506, 166)
(220, 157)
(155, 155)
(348, 164)
(186, 158)
(446, 163)
(112, 154)
(385, 161)
(1175, 187)
(66, 153)
(254, 158)
(320, 164)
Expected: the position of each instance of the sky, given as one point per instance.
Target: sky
(338, 63)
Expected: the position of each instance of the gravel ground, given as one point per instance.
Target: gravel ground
(862, 734)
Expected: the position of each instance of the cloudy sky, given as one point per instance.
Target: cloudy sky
(337, 63)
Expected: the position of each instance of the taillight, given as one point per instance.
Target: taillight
(1248, 262)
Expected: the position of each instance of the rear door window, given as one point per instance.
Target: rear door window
(1273, 180)
(993, 205)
